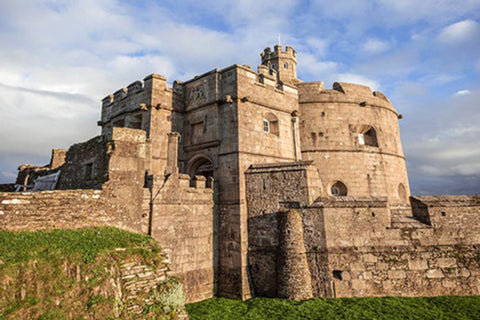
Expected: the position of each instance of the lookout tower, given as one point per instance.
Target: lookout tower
(283, 62)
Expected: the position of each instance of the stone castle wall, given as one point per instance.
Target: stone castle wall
(183, 224)
(21, 211)
(146, 106)
(354, 246)
(180, 217)
(405, 271)
(221, 117)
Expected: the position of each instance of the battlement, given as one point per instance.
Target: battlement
(135, 88)
(277, 51)
(283, 62)
(267, 78)
(342, 92)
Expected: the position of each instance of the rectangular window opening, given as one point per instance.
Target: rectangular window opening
(266, 125)
(89, 171)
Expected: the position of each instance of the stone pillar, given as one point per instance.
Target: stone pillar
(293, 274)
(172, 153)
(296, 140)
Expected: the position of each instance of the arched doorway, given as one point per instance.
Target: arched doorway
(201, 166)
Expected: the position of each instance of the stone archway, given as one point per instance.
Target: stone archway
(201, 166)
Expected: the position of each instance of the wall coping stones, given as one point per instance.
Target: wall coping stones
(446, 201)
(351, 202)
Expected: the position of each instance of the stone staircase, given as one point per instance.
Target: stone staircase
(402, 218)
(407, 222)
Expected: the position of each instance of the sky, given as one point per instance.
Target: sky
(59, 58)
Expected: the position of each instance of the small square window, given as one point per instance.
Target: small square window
(266, 125)
(337, 274)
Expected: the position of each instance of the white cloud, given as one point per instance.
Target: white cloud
(36, 121)
(442, 142)
(463, 92)
(318, 46)
(360, 15)
(466, 30)
(314, 68)
(374, 46)
(440, 79)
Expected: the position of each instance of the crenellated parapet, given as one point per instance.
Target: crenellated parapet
(342, 92)
(131, 106)
(278, 52)
(284, 62)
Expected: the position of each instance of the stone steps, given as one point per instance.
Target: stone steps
(407, 222)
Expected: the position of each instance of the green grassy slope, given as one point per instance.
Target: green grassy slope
(390, 308)
(73, 274)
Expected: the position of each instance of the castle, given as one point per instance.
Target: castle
(259, 184)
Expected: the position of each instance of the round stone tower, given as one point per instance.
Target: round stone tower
(293, 277)
(353, 136)
(283, 62)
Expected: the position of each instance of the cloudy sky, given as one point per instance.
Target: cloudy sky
(58, 59)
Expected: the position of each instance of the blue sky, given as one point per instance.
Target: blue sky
(58, 59)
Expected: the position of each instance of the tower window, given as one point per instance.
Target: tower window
(270, 124)
(285, 65)
(273, 66)
(338, 188)
(136, 122)
(88, 171)
(266, 125)
(402, 192)
(367, 136)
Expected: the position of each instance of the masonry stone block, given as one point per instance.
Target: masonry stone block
(396, 274)
(435, 273)
(417, 264)
(358, 284)
(447, 262)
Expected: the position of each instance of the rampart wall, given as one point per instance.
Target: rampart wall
(355, 247)
(20, 211)
(183, 224)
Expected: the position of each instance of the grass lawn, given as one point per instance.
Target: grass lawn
(17, 247)
(391, 308)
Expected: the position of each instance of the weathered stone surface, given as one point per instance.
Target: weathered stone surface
(396, 274)
(435, 273)
(358, 284)
(417, 264)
